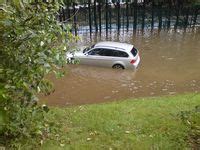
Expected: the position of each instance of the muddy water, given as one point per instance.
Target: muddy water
(170, 65)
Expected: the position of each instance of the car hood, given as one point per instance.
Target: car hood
(77, 53)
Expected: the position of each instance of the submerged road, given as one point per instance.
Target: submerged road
(170, 64)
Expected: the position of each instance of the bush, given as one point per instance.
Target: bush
(32, 44)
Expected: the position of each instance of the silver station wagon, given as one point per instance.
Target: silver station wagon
(108, 54)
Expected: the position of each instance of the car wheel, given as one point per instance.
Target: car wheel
(118, 66)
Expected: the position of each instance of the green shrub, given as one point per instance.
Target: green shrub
(32, 44)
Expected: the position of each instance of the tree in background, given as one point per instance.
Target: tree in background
(32, 44)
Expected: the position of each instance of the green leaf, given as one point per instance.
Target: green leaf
(32, 45)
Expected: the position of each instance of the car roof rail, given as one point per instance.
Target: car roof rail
(98, 46)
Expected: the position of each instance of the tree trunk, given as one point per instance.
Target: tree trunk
(143, 14)
(118, 16)
(152, 16)
(186, 17)
(95, 16)
(106, 17)
(90, 19)
(169, 14)
(135, 15)
(160, 17)
(195, 16)
(75, 19)
(99, 12)
(127, 15)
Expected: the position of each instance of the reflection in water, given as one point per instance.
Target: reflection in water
(102, 74)
(169, 65)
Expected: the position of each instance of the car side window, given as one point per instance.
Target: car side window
(121, 54)
(95, 52)
(106, 52)
(114, 53)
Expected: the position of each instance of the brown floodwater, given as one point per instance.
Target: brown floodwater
(170, 65)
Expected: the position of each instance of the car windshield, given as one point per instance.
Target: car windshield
(134, 51)
(87, 49)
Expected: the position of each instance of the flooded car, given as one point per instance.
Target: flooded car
(108, 54)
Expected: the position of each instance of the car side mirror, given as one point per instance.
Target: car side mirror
(86, 54)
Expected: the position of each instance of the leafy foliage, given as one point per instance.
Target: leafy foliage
(32, 44)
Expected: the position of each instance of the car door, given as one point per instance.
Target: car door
(107, 57)
(119, 57)
(92, 57)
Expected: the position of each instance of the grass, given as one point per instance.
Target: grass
(146, 123)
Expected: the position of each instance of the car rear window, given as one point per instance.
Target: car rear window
(120, 54)
(134, 51)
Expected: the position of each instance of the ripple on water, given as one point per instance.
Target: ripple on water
(169, 65)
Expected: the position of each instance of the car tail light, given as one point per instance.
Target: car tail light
(133, 61)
